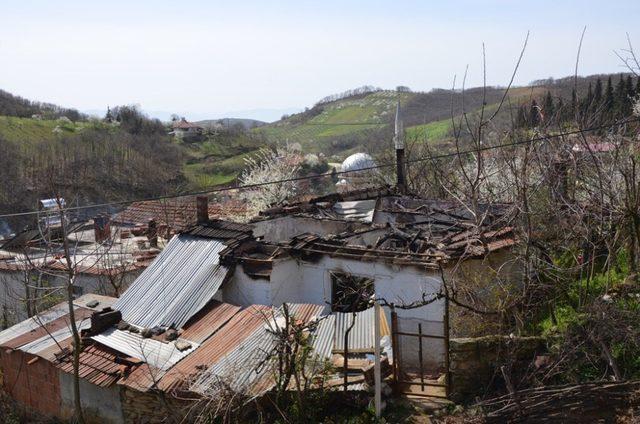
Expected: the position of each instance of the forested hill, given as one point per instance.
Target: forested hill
(11, 105)
(362, 119)
(88, 161)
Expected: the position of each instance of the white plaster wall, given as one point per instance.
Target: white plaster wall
(299, 281)
(12, 291)
(12, 295)
(99, 404)
(286, 227)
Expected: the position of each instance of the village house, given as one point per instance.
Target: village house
(105, 259)
(205, 309)
(183, 129)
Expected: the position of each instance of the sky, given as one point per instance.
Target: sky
(213, 59)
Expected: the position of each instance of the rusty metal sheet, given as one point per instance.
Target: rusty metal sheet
(206, 322)
(238, 329)
(45, 329)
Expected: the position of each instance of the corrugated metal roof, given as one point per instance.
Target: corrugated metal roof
(323, 337)
(240, 368)
(361, 336)
(179, 283)
(158, 354)
(249, 367)
(241, 326)
(208, 321)
(46, 329)
(305, 311)
(33, 323)
(52, 339)
(98, 364)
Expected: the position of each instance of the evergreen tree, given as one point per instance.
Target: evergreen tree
(586, 103)
(620, 96)
(561, 112)
(637, 93)
(548, 108)
(597, 93)
(628, 101)
(534, 114)
(609, 100)
(573, 108)
(109, 115)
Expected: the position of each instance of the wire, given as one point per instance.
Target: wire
(329, 174)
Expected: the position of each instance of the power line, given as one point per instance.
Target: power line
(329, 174)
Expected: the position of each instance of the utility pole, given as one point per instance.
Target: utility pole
(398, 141)
(377, 375)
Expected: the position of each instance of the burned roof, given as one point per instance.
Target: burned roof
(355, 205)
(386, 205)
(404, 246)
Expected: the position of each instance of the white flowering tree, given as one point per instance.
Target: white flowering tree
(264, 167)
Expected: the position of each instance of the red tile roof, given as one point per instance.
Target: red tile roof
(183, 124)
(177, 214)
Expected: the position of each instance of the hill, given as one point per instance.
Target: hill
(363, 121)
(230, 122)
(11, 105)
(86, 161)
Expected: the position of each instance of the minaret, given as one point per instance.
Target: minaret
(398, 141)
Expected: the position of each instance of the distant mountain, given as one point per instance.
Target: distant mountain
(230, 122)
(263, 115)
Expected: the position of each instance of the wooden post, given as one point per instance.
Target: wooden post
(377, 378)
(447, 359)
(395, 347)
(420, 356)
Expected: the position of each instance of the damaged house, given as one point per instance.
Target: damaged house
(105, 259)
(206, 314)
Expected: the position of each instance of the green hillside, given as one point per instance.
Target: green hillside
(20, 129)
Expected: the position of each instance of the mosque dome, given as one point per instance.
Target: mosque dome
(356, 162)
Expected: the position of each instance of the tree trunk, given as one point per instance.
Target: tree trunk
(77, 342)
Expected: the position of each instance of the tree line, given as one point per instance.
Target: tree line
(11, 105)
(601, 103)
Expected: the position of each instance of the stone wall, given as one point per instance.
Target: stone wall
(475, 362)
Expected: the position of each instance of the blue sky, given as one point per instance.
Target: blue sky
(208, 58)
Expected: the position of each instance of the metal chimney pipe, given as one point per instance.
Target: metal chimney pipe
(398, 141)
(202, 205)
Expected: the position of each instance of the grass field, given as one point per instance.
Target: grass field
(433, 131)
(23, 129)
(337, 119)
